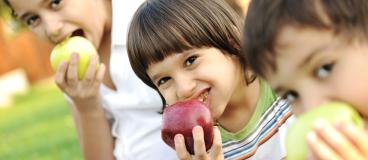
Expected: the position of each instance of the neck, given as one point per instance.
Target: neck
(106, 37)
(241, 107)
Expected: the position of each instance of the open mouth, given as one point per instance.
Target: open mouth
(78, 32)
(204, 97)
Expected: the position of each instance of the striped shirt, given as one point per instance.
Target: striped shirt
(266, 140)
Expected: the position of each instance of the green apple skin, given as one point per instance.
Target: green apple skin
(296, 144)
(63, 51)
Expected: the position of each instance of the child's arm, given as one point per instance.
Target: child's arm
(342, 141)
(215, 153)
(94, 135)
(92, 126)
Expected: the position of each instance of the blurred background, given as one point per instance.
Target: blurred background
(35, 121)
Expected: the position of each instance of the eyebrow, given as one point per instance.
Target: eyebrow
(312, 54)
(155, 77)
(307, 60)
(24, 15)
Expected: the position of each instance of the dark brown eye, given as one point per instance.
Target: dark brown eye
(324, 70)
(190, 60)
(290, 96)
(162, 81)
(55, 3)
(31, 20)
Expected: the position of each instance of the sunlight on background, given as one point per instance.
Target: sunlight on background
(35, 122)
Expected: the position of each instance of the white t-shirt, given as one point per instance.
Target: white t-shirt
(133, 107)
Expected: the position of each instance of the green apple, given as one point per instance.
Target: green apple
(296, 144)
(76, 44)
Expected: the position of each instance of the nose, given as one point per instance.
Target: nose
(185, 87)
(53, 27)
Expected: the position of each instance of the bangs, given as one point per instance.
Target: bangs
(267, 17)
(160, 29)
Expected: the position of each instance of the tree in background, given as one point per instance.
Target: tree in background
(19, 48)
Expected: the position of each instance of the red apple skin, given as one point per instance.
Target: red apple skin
(181, 118)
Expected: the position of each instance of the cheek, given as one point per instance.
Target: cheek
(355, 92)
(169, 96)
(39, 32)
(359, 98)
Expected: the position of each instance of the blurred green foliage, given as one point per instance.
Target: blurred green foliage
(38, 127)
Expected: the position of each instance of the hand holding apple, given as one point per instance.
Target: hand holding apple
(76, 44)
(296, 144)
(181, 118)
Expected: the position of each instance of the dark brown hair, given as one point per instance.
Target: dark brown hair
(265, 18)
(161, 28)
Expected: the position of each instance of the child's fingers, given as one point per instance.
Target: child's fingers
(199, 145)
(356, 135)
(72, 72)
(337, 141)
(99, 76)
(181, 150)
(320, 150)
(90, 74)
(216, 149)
(60, 75)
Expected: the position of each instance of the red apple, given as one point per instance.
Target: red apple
(181, 118)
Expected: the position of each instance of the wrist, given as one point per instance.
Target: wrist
(88, 106)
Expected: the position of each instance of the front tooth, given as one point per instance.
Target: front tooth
(205, 96)
(201, 98)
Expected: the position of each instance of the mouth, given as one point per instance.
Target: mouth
(78, 32)
(203, 97)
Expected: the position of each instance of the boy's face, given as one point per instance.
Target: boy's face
(205, 74)
(54, 20)
(316, 66)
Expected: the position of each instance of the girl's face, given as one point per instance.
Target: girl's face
(55, 20)
(317, 66)
(205, 74)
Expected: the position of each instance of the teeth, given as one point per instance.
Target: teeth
(203, 97)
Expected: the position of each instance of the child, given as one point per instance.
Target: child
(312, 52)
(112, 118)
(190, 49)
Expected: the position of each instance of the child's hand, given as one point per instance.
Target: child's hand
(215, 152)
(82, 92)
(343, 141)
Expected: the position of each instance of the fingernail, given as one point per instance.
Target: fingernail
(197, 128)
(311, 137)
(178, 138)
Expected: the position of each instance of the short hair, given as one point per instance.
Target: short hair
(161, 28)
(266, 18)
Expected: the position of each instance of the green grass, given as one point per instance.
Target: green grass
(38, 126)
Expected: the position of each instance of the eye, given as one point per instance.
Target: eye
(190, 60)
(324, 70)
(290, 96)
(31, 20)
(55, 3)
(162, 81)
